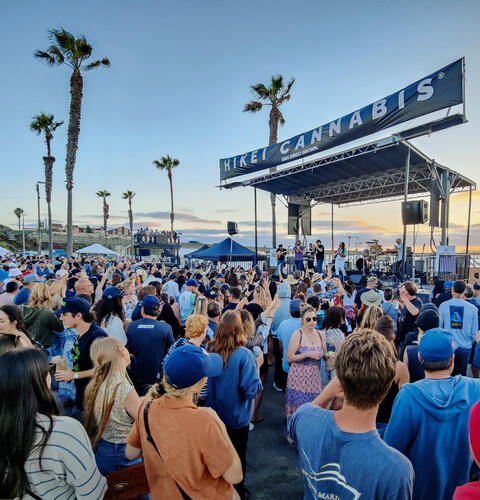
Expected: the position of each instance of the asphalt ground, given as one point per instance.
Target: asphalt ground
(273, 470)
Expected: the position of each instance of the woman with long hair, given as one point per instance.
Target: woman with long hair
(307, 348)
(231, 394)
(370, 317)
(110, 383)
(40, 321)
(42, 455)
(109, 313)
(340, 256)
(11, 323)
(129, 299)
(334, 337)
(201, 306)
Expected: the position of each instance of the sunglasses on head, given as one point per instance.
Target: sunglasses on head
(310, 318)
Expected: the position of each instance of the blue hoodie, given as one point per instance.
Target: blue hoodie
(429, 425)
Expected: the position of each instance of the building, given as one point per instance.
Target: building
(119, 231)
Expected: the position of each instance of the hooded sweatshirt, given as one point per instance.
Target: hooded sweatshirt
(429, 425)
(283, 311)
(40, 324)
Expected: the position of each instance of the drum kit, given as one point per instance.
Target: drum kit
(370, 261)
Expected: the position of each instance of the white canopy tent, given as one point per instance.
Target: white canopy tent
(96, 248)
(4, 251)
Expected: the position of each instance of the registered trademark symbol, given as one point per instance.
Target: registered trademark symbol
(441, 75)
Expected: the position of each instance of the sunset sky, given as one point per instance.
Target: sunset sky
(179, 77)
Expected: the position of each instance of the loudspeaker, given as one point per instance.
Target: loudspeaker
(299, 214)
(356, 278)
(414, 212)
(232, 228)
(144, 252)
(434, 204)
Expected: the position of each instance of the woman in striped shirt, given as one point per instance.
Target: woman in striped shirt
(42, 456)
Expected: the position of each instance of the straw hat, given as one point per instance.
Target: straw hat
(371, 298)
(316, 277)
(291, 280)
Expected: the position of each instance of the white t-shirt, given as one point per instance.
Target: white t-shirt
(114, 328)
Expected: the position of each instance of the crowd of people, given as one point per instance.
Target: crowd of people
(150, 236)
(105, 365)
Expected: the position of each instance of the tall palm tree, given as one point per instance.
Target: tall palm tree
(167, 163)
(74, 52)
(128, 195)
(274, 95)
(19, 212)
(46, 124)
(104, 194)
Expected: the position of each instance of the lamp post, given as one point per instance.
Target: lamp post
(38, 215)
(23, 233)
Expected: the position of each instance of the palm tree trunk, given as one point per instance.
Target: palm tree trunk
(48, 161)
(130, 219)
(19, 223)
(273, 126)
(105, 216)
(76, 93)
(171, 204)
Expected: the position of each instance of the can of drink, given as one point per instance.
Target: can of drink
(256, 351)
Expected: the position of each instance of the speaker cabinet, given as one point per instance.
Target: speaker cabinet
(299, 217)
(414, 212)
(232, 228)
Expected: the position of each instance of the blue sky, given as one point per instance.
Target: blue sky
(179, 78)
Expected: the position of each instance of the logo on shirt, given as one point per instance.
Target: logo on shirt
(329, 484)
(456, 317)
(146, 326)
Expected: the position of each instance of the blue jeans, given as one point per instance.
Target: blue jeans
(462, 357)
(320, 266)
(299, 265)
(280, 265)
(111, 457)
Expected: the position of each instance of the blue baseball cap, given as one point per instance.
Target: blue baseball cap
(436, 345)
(476, 286)
(149, 302)
(211, 294)
(224, 288)
(192, 283)
(172, 277)
(75, 305)
(33, 278)
(188, 364)
(111, 292)
(448, 285)
(295, 305)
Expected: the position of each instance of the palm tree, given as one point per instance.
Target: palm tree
(128, 195)
(72, 51)
(104, 194)
(19, 212)
(274, 95)
(46, 124)
(167, 163)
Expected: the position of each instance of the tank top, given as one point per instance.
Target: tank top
(385, 408)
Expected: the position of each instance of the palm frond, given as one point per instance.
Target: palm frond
(57, 54)
(281, 119)
(41, 54)
(261, 91)
(276, 84)
(252, 107)
(285, 96)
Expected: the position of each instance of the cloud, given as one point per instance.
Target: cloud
(100, 217)
(179, 216)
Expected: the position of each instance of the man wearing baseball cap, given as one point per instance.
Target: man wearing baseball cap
(171, 287)
(29, 282)
(189, 453)
(187, 299)
(445, 295)
(75, 313)
(429, 422)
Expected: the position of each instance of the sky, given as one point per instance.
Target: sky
(179, 77)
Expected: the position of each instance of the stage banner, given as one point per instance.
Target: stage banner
(439, 90)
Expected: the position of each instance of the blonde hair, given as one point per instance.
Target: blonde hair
(195, 326)
(248, 323)
(57, 297)
(371, 316)
(201, 306)
(40, 296)
(125, 285)
(105, 355)
(262, 298)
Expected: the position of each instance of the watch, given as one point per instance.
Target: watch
(75, 376)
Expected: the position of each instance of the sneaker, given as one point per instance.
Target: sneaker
(251, 426)
(258, 418)
(277, 388)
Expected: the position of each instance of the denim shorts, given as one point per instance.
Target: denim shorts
(111, 457)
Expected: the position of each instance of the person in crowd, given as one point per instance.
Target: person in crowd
(168, 315)
(306, 350)
(119, 271)
(29, 282)
(75, 314)
(111, 388)
(310, 258)
(343, 447)
(201, 461)
(348, 301)
(253, 338)
(233, 296)
(261, 300)
(371, 285)
(340, 256)
(129, 298)
(145, 290)
(213, 314)
(386, 327)
(187, 300)
(284, 333)
(427, 320)
(109, 313)
(11, 290)
(171, 287)
(471, 491)
(390, 306)
(148, 340)
(476, 293)
(468, 295)
(10, 343)
(42, 456)
(11, 323)
(41, 323)
(334, 337)
(445, 295)
(232, 392)
(201, 306)
(410, 306)
(319, 256)
(431, 414)
(461, 319)
(372, 312)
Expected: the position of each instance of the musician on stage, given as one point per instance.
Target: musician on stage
(340, 256)
(399, 249)
(320, 256)
(298, 250)
(280, 255)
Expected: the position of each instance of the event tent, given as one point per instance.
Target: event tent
(4, 251)
(228, 250)
(96, 248)
(193, 255)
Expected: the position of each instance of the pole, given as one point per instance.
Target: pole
(333, 246)
(468, 222)
(405, 196)
(413, 251)
(256, 228)
(23, 233)
(38, 215)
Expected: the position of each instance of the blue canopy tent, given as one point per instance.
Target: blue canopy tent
(228, 250)
(193, 255)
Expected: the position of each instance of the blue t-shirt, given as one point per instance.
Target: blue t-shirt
(461, 319)
(232, 392)
(285, 331)
(148, 342)
(345, 465)
(22, 297)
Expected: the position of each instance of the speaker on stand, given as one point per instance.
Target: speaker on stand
(232, 228)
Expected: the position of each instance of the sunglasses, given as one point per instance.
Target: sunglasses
(310, 318)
